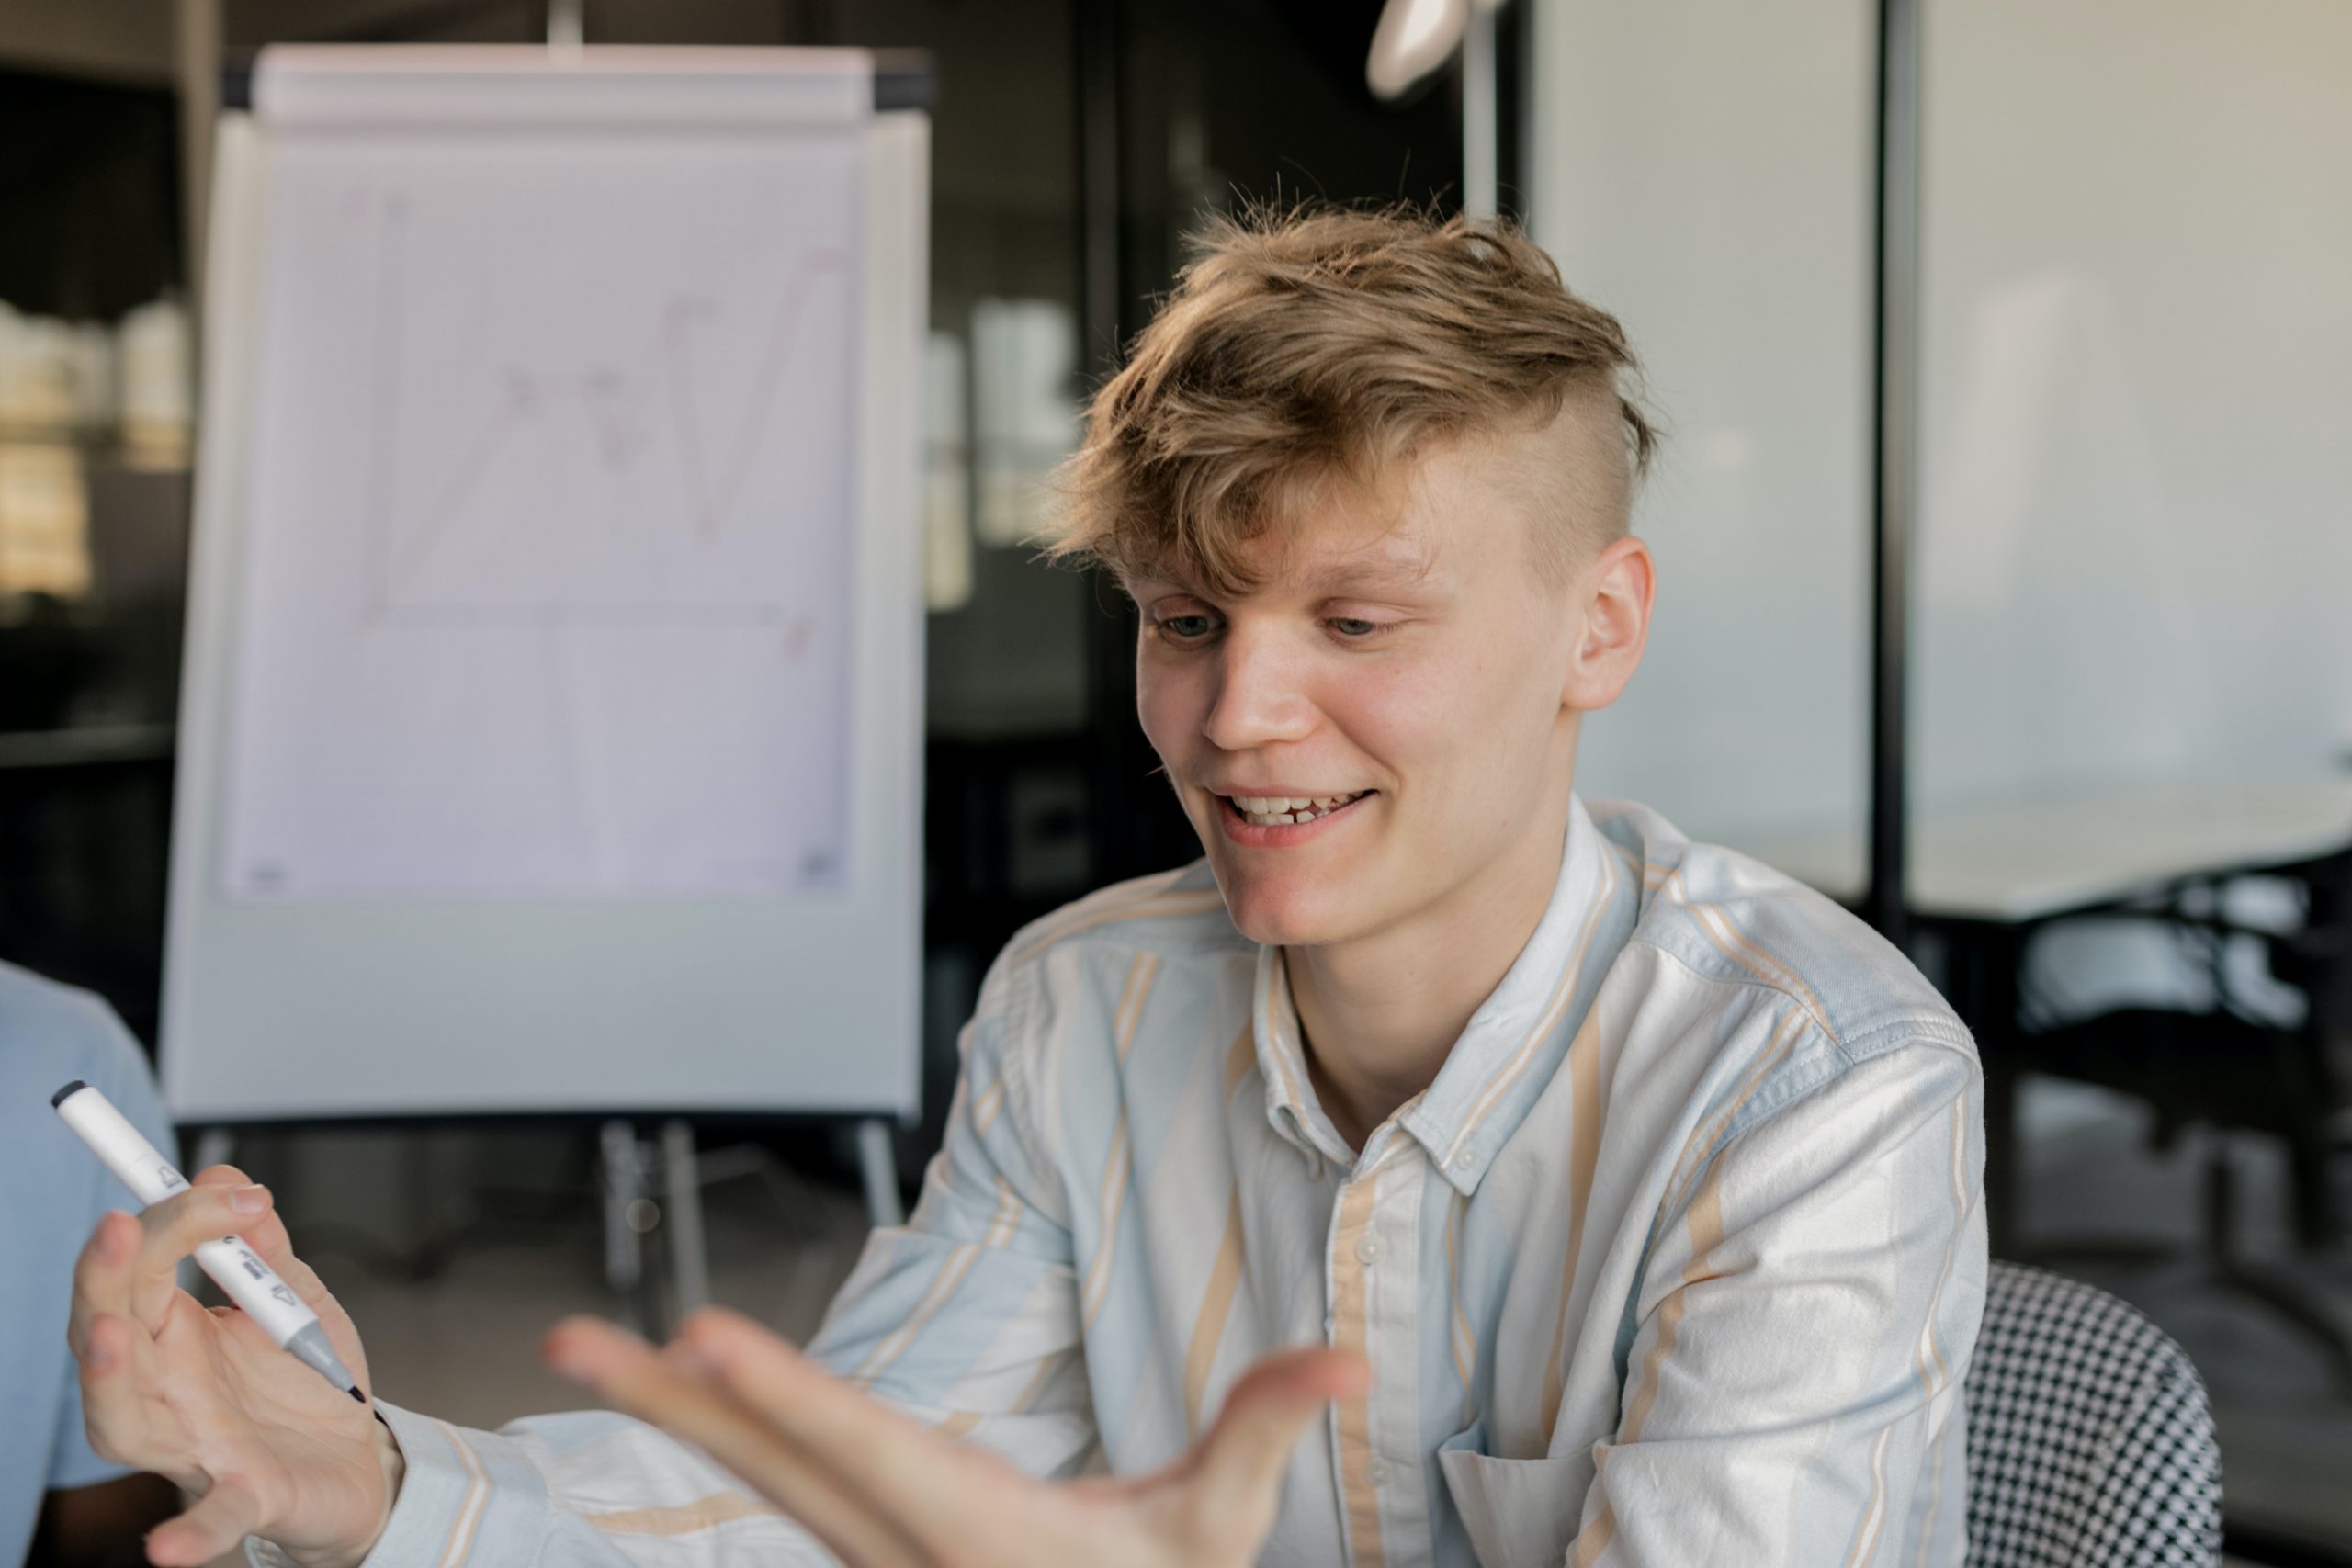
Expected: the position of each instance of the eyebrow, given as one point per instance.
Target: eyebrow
(1358, 575)
(1390, 571)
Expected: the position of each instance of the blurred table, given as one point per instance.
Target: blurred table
(1981, 883)
(2022, 865)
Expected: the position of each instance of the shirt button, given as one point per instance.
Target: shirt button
(1368, 1249)
(1379, 1472)
(1466, 1160)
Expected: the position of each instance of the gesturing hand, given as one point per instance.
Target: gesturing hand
(204, 1399)
(882, 1492)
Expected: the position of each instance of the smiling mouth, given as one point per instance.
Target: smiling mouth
(1273, 811)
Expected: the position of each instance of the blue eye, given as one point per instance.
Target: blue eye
(1187, 628)
(1351, 626)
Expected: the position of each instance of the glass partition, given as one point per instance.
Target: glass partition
(1701, 169)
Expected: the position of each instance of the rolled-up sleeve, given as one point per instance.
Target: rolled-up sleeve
(965, 1317)
(1792, 1394)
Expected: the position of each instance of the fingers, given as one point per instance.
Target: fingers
(177, 1228)
(114, 1416)
(1241, 1462)
(897, 1467)
(116, 1355)
(675, 1394)
(267, 1236)
(217, 1525)
(102, 1276)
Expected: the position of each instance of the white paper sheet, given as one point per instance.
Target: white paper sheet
(551, 516)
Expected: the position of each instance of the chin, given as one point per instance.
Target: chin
(1280, 912)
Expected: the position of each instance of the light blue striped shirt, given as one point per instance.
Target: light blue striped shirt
(1678, 1260)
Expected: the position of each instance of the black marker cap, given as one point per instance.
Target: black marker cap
(58, 1098)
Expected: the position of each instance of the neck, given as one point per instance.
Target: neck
(1381, 1013)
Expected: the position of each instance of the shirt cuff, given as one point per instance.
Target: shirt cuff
(466, 1498)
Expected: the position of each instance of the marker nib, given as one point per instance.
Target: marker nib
(312, 1348)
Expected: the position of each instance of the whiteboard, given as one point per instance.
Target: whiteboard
(550, 738)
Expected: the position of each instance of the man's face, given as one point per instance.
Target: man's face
(1401, 666)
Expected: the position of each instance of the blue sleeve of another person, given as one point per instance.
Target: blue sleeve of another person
(49, 1035)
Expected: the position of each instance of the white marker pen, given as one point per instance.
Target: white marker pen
(234, 1266)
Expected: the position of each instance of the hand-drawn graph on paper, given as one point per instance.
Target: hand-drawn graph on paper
(553, 519)
(608, 474)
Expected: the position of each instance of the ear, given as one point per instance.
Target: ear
(1612, 599)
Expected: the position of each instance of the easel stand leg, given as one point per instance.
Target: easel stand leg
(629, 1214)
(682, 1215)
(878, 1161)
(214, 1145)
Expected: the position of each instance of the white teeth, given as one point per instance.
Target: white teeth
(1272, 810)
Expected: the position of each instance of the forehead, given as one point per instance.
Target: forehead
(1338, 555)
(1426, 522)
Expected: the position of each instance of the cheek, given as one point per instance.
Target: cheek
(1168, 706)
(1428, 716)
(1467, 735)
(1397, 717)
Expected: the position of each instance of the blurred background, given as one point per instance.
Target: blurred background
(2127, 768)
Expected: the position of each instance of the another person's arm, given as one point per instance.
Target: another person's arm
(93, 1515)
(1812, 1304)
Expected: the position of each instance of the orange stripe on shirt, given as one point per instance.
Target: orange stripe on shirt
(1216, 1308)
(1584, 1156)
(1359, 1500)
(703, 1513)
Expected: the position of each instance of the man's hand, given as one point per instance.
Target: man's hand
(204, 1398)
(882, 1492)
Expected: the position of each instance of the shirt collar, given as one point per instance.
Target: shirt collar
(1507, 1053)
(1291, 1103)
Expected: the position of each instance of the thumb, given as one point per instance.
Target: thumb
(221, 1517)
(1238, 1469)
(265, 1235)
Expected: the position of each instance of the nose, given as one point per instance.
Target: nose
(1260, 697)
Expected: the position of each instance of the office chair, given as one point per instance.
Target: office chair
(2090, 1444)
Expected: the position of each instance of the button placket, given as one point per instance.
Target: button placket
(1383, 1252)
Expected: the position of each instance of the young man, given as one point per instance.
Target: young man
(1627, 1191)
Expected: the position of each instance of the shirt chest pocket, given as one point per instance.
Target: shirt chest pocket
(1518, 1512)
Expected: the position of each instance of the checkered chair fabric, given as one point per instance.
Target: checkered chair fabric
(2090, 1444)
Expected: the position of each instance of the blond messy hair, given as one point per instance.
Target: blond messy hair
(1314, 344)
